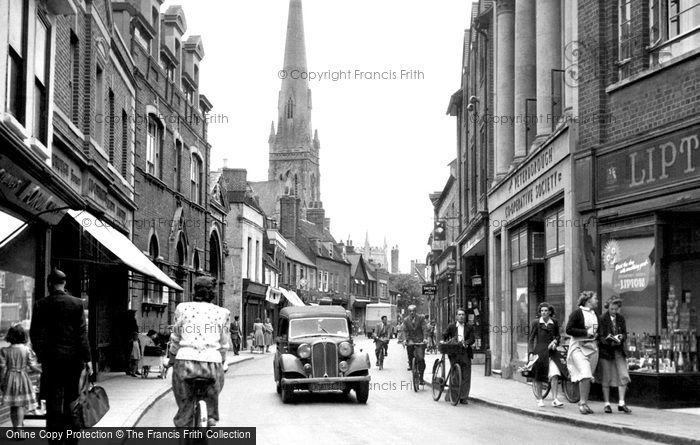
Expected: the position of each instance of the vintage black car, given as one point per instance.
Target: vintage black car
(315, 352)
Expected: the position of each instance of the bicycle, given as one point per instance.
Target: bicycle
(381, 353)
(453, 380)
(201, 414)
(569, 388)
(415, 372)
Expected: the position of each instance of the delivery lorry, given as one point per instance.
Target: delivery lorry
(374, 313)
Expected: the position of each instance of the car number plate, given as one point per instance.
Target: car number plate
(327, 386)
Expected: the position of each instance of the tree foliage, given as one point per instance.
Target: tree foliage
(411, 290)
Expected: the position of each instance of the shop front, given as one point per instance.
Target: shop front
(473, 297)
(648, 246)
(28, 209)
(533, 255)
(254, 305)
(445, 268)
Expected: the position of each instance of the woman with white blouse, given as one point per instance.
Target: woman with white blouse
(583, 349)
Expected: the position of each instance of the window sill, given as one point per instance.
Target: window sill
(149, 177)
(38, 148)
(14, 125)
(654, 70)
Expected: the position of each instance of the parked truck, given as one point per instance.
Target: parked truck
(374, 313)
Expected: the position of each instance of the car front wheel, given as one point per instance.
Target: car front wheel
(286, 392)
(362, 392)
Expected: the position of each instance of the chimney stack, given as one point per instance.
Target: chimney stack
(236, 181)
(289, 217)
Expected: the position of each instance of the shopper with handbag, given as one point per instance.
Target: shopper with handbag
(60, 340)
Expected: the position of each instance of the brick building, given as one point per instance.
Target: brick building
(638, 185)
(174, 221)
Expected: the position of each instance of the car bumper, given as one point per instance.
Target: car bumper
(299, 383)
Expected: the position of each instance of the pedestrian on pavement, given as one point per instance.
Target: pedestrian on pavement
(381, 337)
(16, 361)
(135, 356)
(544, 339)
(268, 334)
(416, 331)
(462, 333)
(259, 332)
(236, 335)
(583, 350)
(60, 340)
(613, 359)
(198, 344)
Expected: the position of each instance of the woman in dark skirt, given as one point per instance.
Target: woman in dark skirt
(544, 339)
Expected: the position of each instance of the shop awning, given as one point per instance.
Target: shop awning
(292, 297)
(273, 295)
(121, 247)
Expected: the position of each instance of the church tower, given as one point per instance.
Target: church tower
(294, 152)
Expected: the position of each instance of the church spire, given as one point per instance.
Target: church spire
(295, 96)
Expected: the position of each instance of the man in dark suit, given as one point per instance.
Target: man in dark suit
(463, 333)
(59, 337)
(415, 330)
(382, 332)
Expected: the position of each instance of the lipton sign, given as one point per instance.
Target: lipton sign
(656, 163)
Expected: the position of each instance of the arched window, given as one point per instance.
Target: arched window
(154, 146)
(214, 253)
(153, 247)
(181, 252)
(290, 108)
(195, 261)
(196, 180)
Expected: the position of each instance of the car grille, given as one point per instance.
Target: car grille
(324, 359)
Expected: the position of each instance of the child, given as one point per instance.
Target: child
(15, 362)
(135, 356)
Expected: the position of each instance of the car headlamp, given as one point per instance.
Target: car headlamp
(304, 350)
(345, 349)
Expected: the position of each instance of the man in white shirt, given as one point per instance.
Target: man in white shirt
(198, 343)
(462, 333)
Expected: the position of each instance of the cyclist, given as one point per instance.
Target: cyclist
(198, 343)
(431, 336)
(381, 337)
(415, 329)
(463, 333)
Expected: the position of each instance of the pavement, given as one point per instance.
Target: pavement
(130, 397)
(666, 426)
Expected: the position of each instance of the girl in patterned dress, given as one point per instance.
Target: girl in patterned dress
(16, 361)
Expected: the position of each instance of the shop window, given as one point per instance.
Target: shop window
(521, 313)
(18, 259)
(628, 271)
(679, 309)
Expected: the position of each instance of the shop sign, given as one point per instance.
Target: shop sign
(474, 240)
(536, 193)
(429, 289)
(68, 171)
(23, 191)
(657, 163)
(631, 271)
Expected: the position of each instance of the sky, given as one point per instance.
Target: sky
(385, 143)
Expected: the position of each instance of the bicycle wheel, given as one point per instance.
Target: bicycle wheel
(438, 382)
(200, 414)
(571, 391)
(381, 359)
(416, 375)
(545, 390)
(455, 382)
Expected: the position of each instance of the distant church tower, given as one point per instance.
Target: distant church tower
(294, 153)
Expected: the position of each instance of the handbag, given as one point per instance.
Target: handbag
(91, 405)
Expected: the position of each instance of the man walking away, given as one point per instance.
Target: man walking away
(236, 335)
(462, 333)
(60, 340)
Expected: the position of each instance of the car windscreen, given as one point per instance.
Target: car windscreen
(318, 326)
